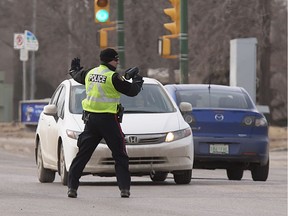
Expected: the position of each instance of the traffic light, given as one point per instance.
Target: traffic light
(101, 11)
(103, 37)
(174, 14)
(164, 47)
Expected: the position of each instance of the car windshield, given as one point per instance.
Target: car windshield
(151, 99)
(215, 99)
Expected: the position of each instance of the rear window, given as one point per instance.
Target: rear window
(215, 99)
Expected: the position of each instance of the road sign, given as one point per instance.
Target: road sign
(23, 55)
(31, 42)
(30, 110)
(19, 41)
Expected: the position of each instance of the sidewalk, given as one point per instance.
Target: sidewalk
(18, 145)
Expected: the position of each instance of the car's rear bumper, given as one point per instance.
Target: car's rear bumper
(242, 152)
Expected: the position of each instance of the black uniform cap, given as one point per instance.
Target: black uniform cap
(108, 55)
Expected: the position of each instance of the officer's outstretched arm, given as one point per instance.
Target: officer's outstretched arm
(136, 85)
(125, 87)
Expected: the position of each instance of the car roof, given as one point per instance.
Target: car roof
(146, 80)
(204, 86)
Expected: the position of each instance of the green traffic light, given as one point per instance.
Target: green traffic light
(102, 15)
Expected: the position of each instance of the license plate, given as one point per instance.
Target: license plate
(219, 149)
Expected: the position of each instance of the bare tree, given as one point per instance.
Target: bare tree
(66, 29)
(264, 45)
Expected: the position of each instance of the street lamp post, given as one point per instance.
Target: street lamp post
(184, 42)
(121, 33)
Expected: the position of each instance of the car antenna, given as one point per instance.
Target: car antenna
(209, 87)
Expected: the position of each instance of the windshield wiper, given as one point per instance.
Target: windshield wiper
(140, 111)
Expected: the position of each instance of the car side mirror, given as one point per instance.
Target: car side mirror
(185, 107)
(50, 109)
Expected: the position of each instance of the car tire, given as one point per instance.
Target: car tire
(62, 167)
(234, 174)
(158, 176)
(44, 175)
(183, 176)
(260, 173)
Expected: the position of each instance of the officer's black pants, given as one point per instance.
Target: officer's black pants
(101, 126)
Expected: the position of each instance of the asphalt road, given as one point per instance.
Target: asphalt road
(209, 193)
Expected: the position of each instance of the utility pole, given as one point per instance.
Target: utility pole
(121, 33)
(69, 3)
(264, 54)
(183, 42)
(32, 74)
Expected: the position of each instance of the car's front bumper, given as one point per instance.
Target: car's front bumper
(143, 159)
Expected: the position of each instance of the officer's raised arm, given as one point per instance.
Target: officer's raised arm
(77, 72)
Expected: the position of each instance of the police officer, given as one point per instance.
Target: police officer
(103, 88)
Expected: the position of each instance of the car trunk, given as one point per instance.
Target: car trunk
(220, 123)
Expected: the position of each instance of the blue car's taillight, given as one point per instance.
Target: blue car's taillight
(254, 121)
(189, 118)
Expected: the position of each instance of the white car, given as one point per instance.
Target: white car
(158, 140)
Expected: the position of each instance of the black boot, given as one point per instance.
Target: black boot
(72, 193)
(125, 193)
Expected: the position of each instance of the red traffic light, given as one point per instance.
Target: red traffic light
(102, 3)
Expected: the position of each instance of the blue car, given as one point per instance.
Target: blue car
(229, 132)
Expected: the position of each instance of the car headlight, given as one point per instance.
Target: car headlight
(73, 134)
(176, 135)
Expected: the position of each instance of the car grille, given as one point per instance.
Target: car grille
(137, 160)
(144, 139)
(140, 139)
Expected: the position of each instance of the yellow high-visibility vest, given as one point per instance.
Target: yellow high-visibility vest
(102, 97)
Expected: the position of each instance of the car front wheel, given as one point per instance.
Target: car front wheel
(44, 175)
(158, 176)
(260, 173)
(183, 176)
(62, 167)
(234, 174)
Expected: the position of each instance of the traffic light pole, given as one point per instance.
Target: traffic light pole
(183, 42)
(120, 33)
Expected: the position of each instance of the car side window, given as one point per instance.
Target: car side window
(56, 94)
(60, 103)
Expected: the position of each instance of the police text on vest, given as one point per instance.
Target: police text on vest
(97, 78)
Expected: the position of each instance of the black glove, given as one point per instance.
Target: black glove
(75, 65)
(138, 80)
(131, 72)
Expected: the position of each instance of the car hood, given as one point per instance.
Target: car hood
(150, 123)
(143, 123)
